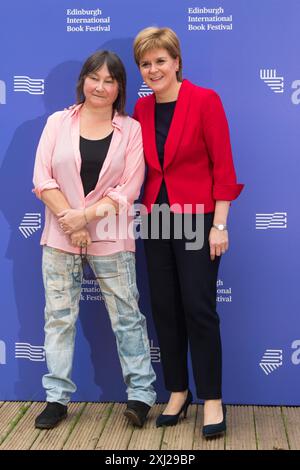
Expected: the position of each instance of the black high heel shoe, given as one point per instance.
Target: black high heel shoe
(172, 420)
(211, 430)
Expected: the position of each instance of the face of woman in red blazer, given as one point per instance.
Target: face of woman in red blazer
(158, 70)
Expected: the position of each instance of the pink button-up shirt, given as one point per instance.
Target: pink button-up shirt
(58, 164)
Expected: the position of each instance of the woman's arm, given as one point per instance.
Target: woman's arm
(225, 186)
(218, 239)
(102, 208)
(217, 139)
(76, 219)
(221, 212)
(54, 200)
(42, 176)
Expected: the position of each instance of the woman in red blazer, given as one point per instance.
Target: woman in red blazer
(190, 169)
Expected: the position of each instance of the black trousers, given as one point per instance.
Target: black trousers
(183, 297)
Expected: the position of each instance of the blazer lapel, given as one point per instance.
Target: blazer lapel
(178, 121)
(149, 134)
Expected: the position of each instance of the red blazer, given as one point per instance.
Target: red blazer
(198, 165)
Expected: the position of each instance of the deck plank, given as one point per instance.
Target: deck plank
(270, 429)
(117, 432)
(10, 414)
(89, 427)
(240, 433)
(24, 433)
(292, 419)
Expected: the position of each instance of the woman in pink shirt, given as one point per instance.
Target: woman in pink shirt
(88, 171)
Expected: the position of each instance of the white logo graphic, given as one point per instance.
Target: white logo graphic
(271, 360)
(296, 353)
(270, 78)
(275, 220)
(154, 352)
(2, 92)
(144, 90)
(2, 353)
(296, 94)
(31, 222)
(27, 351)
(33, 86)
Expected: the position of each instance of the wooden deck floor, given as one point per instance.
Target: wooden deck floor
(102, 426)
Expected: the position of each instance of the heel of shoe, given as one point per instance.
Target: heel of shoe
(172, 420)
(187, 403)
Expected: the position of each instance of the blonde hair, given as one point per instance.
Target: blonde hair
(158, 38)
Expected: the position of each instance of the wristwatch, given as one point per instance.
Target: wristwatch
(220, 227)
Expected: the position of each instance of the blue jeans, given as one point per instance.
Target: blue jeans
(62, 275)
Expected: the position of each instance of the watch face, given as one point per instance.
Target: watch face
(220, 226)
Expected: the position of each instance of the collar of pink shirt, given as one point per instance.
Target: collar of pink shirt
(117, 120)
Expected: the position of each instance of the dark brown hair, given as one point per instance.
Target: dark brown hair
(116, 69)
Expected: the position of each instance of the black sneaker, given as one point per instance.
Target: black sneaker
(136, 412)
(51, 416)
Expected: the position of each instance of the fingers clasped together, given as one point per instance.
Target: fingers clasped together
(71, 220)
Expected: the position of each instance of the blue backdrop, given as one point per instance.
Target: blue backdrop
(247, 50)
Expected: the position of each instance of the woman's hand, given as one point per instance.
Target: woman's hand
(218, 242)
(81, 238)
(71, 220)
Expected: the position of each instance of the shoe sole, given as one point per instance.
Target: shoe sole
(215, 434)
(133, 418)
(47, 426)
(166, 425)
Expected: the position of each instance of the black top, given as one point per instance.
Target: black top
(163, 117)
(93, 154)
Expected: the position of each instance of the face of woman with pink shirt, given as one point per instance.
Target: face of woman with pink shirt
(102, 82)
(100, 88)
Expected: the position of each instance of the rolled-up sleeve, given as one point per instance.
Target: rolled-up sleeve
(42, 175)
(129, 187)
(217, 139)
